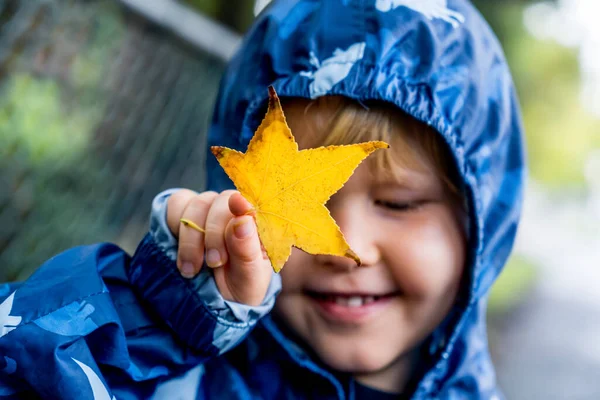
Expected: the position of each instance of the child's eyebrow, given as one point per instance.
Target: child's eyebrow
(405, 180)
(397, 184)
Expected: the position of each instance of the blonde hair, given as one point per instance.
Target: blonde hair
(412, 141)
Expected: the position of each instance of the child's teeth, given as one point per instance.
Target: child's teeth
(342, 301)
(355, 301)
(350, 301)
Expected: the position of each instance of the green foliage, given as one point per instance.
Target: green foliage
(32, 120)
(236, 14)
(513, 284)
(41, 121)
(109, 31)
(560, 131)
(47, 124)
(207, 7)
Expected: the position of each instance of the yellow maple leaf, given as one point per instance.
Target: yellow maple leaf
(289, 188)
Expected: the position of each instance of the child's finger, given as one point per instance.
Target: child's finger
(176, 205)
(216, 221)
(238, 205)
(247, 275)
(191, 241)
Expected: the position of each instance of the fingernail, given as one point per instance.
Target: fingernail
(187, 270)
(213, 258)
(244, 228)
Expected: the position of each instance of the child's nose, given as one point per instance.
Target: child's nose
(359, 231)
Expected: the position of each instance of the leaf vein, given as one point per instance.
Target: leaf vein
(245, 174)
(304, 179)
(291, 222)
(262, 186)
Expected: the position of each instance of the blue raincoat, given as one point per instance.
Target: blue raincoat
(96, 323)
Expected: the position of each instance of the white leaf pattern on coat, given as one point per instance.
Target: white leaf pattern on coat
(74, 319)
(333, 69)
(429, 8)
(98, 389)
(8, 322)
(181, 388)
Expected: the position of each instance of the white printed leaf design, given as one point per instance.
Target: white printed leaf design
(431, 9)
(8, 322)
(98, 389)
(332, 70)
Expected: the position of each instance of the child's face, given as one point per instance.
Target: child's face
(369, 320)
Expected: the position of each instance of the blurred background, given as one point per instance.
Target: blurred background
(104, 103)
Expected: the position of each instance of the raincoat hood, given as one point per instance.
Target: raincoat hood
(438, 61)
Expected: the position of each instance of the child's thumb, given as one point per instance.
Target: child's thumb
(247, 275)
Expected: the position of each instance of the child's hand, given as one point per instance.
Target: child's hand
(242, 270)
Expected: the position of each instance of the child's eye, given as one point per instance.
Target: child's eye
(398, 206)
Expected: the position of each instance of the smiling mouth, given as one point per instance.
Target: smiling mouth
(349, 300)
(350, 309)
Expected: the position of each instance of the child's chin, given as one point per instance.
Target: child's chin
(355, 360)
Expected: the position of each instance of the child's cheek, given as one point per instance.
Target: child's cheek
(429, 261)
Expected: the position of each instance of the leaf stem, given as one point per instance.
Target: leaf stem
(192, 225)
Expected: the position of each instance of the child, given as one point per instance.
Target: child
(432, 219)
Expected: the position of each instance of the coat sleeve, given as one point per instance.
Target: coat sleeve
(95, 323)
